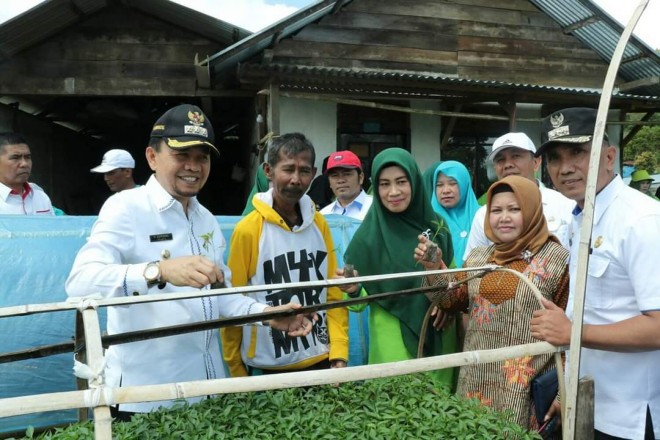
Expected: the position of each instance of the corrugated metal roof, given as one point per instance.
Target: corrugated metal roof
(601, 33)
(52, 16)
(291, 72)
(254, 44)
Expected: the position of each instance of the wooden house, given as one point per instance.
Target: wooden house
(78, 77)
(442, 78)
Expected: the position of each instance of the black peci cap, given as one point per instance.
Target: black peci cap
(184, 126)
(571, 125)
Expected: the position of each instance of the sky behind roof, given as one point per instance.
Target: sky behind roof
(255, 15)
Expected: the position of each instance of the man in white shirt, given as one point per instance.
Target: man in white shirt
(155, 239)
(513, 154)
(346, 177)
(17, 195)
(117, 169)
(621, 332)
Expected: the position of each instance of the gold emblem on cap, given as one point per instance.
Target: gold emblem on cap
(557, 119)
(196, 118)
(599, 241)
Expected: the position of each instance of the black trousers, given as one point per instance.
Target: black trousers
(648, 433)
(121, 416)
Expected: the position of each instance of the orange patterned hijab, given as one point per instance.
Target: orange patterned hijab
(535, 229)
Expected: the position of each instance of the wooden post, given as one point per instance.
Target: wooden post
(449, 129)
(510, 109)
(102, 419)
(262, 129)
(584, 413)
(274, 108)
(81, 384)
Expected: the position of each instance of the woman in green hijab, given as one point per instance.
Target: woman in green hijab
(400, 212)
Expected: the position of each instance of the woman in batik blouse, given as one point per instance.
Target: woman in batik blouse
(499, 304)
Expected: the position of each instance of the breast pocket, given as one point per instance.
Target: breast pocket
(559, 228)
(598, 294)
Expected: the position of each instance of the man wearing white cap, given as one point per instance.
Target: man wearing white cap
(513, 154)
(117, 169)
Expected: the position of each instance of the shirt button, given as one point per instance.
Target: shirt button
(136, 293)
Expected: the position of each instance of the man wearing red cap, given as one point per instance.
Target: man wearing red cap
(345, 176)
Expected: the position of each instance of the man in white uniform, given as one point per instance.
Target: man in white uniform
(17, 195)
(345, 176)
(155, 239)
(621, 333)
(513, 155)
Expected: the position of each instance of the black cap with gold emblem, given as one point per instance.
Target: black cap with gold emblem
(184, 126)
(571, 125)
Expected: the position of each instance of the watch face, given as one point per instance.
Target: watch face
(151, 272)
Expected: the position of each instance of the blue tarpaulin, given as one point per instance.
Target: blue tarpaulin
(37, 254)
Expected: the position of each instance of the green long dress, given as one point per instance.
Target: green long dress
(384, 244)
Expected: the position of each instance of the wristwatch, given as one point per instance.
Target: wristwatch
(152, 273)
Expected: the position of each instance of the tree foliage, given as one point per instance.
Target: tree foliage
(646, 161)
(647, 140)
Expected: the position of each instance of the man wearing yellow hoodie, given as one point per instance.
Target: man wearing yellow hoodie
(284, 239)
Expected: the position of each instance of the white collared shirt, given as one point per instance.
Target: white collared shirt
(622, 282)
(556, 209)
(357, 209)
(33, 202)
(134, 228)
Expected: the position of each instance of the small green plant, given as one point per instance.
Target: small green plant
(405, 407)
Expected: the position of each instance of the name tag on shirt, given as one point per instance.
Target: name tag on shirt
(160, 237)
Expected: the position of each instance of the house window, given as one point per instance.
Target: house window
(367, 131)
(470, 142)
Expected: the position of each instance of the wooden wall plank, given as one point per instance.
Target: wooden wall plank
(392, 22)
(100, 86)
(413, 68)
(551, 77)
(331, 51)
(517, 5)
(94, 51)
(520, 62)
(440, 9)
(497, 30)
(527, 48)
(97, 69)
(378, 37)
